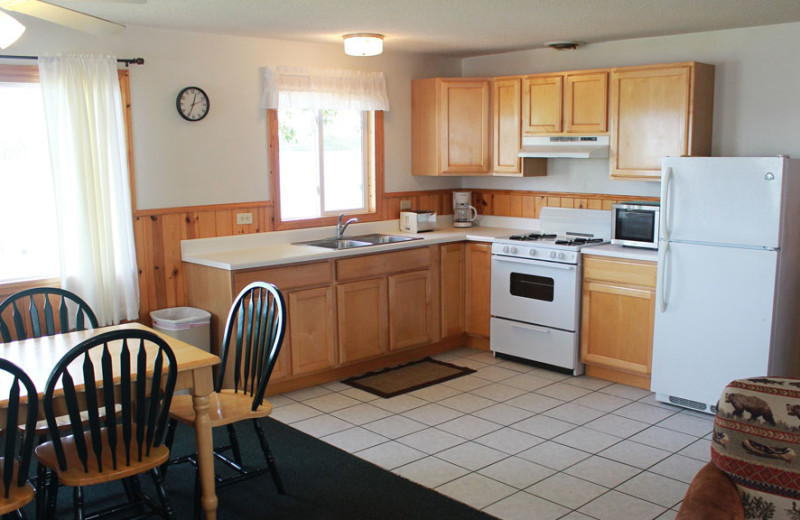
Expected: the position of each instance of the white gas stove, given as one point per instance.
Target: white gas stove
(536, 279)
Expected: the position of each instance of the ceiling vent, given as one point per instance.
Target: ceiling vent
(565, 45)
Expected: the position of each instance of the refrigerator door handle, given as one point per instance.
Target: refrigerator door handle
(661, 275)
(663, 232)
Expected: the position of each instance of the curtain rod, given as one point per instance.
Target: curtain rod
(127, 62)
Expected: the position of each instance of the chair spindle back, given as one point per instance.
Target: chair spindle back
(123, 382)
(44, 321)
(256, 323)
(17, 402)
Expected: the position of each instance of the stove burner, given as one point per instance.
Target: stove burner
(578, 241)
(532, 237)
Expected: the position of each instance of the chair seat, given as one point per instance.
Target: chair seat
(75, 474)
(225, 407)
(17, 496)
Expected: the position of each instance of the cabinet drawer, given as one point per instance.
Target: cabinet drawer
(371, 266)
(289, 277)
(620, 270)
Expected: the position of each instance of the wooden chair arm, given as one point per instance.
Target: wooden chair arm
(711, 496)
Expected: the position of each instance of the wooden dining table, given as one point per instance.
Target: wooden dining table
(38, 356)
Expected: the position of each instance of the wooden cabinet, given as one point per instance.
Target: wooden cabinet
(617, 319)
(395, 292)
(450, 133)
(362, 319)
(506, 125)
(567, 102)
(453, 289)
(478, 264)
(311, 329)
(411, 309)
(659, 111)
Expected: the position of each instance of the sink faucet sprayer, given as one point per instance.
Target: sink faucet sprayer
(340, 228)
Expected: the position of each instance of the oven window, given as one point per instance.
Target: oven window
(635, 225)
(532, 287)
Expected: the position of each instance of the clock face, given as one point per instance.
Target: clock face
(192, 104)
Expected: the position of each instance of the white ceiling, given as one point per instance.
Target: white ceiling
(447, 27)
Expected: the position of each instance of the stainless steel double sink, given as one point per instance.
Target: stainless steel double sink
(374, 239)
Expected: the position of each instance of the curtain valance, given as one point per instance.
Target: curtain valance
(287, 87)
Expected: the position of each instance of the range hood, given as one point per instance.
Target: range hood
(570, 147)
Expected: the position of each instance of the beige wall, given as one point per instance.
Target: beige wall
(223, 159)
(756, 108)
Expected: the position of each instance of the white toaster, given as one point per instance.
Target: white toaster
(417, 221)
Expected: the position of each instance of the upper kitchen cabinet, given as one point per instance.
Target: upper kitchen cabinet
(450, 132)
(565, 102)
(506, 125)
(659, 111)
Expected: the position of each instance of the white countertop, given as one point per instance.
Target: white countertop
(617, 251)
(276, 248)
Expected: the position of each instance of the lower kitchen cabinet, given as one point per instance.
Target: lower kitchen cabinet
(617, 319)
(411, 309)
(479, 285)
(362, 319)
(453, 290)
(311, 326)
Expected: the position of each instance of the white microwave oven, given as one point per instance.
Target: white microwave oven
(635, 224)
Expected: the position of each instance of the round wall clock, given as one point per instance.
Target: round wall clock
(192, 103)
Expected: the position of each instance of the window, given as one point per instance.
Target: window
(28, 235)
(326, 144)
(325, 166)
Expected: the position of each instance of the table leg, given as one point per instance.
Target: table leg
(205, 444)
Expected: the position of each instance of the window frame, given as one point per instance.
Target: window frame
(375, 191)
(30, 74)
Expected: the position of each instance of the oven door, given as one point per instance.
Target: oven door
(537, 292)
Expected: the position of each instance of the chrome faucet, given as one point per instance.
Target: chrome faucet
(340, 227)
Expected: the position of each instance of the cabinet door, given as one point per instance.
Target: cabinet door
(410, 309)
(465, 127)
(586, 103)
(453, 289)
(311, 330)
(362, 319)
(617, 327)
(479, 285)
(506, 125)
(542, 104)
(649, 119)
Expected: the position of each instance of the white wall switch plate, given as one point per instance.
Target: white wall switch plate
(244, 218)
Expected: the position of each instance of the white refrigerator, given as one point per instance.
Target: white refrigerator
(728, 288)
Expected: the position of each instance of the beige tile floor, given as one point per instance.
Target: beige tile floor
(518, 442)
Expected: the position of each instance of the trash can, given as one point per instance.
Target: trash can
(188, 324)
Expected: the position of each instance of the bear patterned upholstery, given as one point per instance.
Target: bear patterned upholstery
(756, 442)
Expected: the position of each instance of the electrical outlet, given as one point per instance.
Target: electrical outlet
(244, 218)
(405, 204)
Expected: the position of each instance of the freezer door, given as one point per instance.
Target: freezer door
(716, 321)
(722, 200)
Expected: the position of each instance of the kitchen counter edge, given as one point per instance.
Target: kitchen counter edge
(617, 251)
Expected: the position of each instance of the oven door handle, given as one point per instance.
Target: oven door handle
(528, 326)
(543, 263)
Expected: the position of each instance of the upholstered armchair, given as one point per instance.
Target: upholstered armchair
(754, 471)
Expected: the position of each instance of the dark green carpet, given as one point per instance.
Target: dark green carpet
(322, 483)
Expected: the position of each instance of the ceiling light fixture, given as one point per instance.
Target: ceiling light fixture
(10, 30)
(363, 44)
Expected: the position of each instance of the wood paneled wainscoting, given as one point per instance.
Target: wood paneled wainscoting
(158, 232)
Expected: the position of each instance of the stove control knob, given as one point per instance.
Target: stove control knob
(506, 249)
(561, 256)
(553, 254)
(513, 250)
(532, 252)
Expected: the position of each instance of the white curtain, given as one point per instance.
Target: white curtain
(287, 87)
(86, 132)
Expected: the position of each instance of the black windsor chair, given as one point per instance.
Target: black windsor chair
(106, 379)
(52, 318)
(17, 450)
(253, 337)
